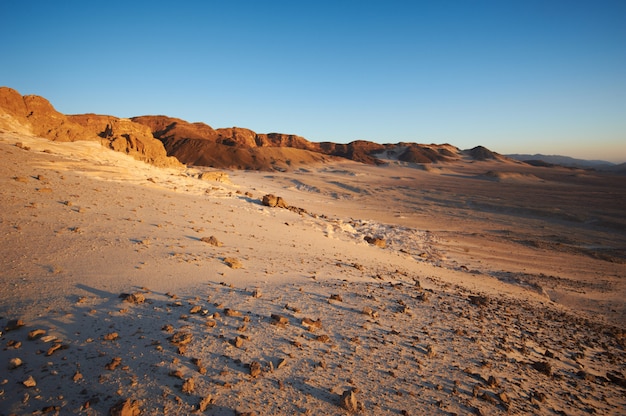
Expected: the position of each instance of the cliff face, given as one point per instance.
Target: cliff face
(35, 115)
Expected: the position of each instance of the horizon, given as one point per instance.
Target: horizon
(531, 78)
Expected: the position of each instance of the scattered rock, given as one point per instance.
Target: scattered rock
(312, 325)
(256, 293)
(431, 352)
(238, 342)
(77, 376)
(115, 362)
(14, 324)
(349, 402)
(255, 369)
(211, 241)
(204, 403)
(231, 312)
(479, 300)
(125, 408)
(29, 382)
(322, 338)
(14, 363)
(56, 346)
(376, 241)
(543, 367)
(279, 319)
(136, 298)
(195, 309)
(181, 338)
(189, 386)
(336, 297)
(233, 263)
(111, 337)
(36, 333)
(274, 201)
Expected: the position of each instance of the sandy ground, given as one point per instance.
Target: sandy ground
(500, 289)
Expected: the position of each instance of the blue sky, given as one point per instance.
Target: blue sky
(514, 76)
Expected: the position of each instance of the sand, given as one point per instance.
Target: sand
(500, 288)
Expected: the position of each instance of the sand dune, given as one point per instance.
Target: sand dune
(486, 297)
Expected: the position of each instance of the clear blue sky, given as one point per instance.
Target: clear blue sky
(527, 76)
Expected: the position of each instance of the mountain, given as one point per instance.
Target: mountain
(166, 141)
(567, 161)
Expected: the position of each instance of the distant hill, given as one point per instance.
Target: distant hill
(563, 161)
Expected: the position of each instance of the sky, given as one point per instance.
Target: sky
(531, 76)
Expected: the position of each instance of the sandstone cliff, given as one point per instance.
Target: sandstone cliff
(35, 115)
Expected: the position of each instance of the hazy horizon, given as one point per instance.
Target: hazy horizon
(528, 77)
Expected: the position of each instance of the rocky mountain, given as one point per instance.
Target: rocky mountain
(164, 141)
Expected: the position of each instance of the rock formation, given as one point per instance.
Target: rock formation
(35, 115)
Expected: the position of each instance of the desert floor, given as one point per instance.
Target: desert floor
(501, 288)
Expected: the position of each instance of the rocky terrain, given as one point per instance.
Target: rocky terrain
(476, 286)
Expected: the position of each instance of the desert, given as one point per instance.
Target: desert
(135, 284)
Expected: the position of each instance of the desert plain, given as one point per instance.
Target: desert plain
(470, 287)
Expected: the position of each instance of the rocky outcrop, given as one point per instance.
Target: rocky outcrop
(35, 115)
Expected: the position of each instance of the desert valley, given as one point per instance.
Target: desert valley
(155, 266)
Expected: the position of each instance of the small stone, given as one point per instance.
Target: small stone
(231, 312)
(311, 324)
(189, 386)
(322, 338)
(376, 241)
(36, 333)
(111, 337)
(195, 309)
(14, 324)
(56, 346)
(431, 351)
(77, 376)
(135, 298)
(14, 363)
(279, 319)
(255, 369)
(281, 363)
(115, 362)
(181, 338)
(256, 293)
(204, 403)
(238, 342)
(29, 382)
(211, 241)
(233, 263)
(336, 297)
(349, 402)
(504, 398)
(125, 408)
(367, 311)
(543, 367)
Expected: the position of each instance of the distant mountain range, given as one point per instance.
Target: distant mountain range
(547, 160)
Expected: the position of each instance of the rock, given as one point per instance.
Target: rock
(238, 342)
(233, 263)
(36, 333)
(336, 297)
(181, 338)
(125, 408)
(349, 402)
(322, 338)
(431, 352)
(543, 367)
(136, 298)
(195, 309)
(189, 386)
(311, 324)
(29, 382)
(14, 363)
(214, 176)
(212, 240)
(479, 300)
(256, 293)
(111, 336)
(56, 346)
(204, 403)
(115, 362)
(14, 324)
(231, 312)
(376, 241)
(279, 319)
(77, 376)
(255, 369)
(281, 363)
(274, 201)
